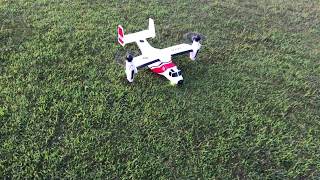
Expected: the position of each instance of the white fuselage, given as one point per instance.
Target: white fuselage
(164, 66)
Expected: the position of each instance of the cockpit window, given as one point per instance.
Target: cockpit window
(175, 74)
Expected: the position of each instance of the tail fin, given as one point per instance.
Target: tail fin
(151, 28)
(133, 37)
(121, 35)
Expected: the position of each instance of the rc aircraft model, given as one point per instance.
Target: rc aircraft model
(158, 60)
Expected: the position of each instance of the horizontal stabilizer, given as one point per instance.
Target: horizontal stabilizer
(133, 37)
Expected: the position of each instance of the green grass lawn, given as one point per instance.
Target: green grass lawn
(249, 107)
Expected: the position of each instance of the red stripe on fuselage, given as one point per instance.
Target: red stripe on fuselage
(162, 68)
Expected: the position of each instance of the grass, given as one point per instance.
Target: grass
(249, 108)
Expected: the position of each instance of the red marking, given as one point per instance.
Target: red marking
(163, 67)
(120, 31)
(120, 41)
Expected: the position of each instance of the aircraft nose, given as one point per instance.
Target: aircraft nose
(180, 82)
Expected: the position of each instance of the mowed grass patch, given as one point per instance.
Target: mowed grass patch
(249, 107)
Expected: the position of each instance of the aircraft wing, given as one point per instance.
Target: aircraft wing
(142, 61)
(179, 49)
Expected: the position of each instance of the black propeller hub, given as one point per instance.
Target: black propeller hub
(129, 58)
(196, 38)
